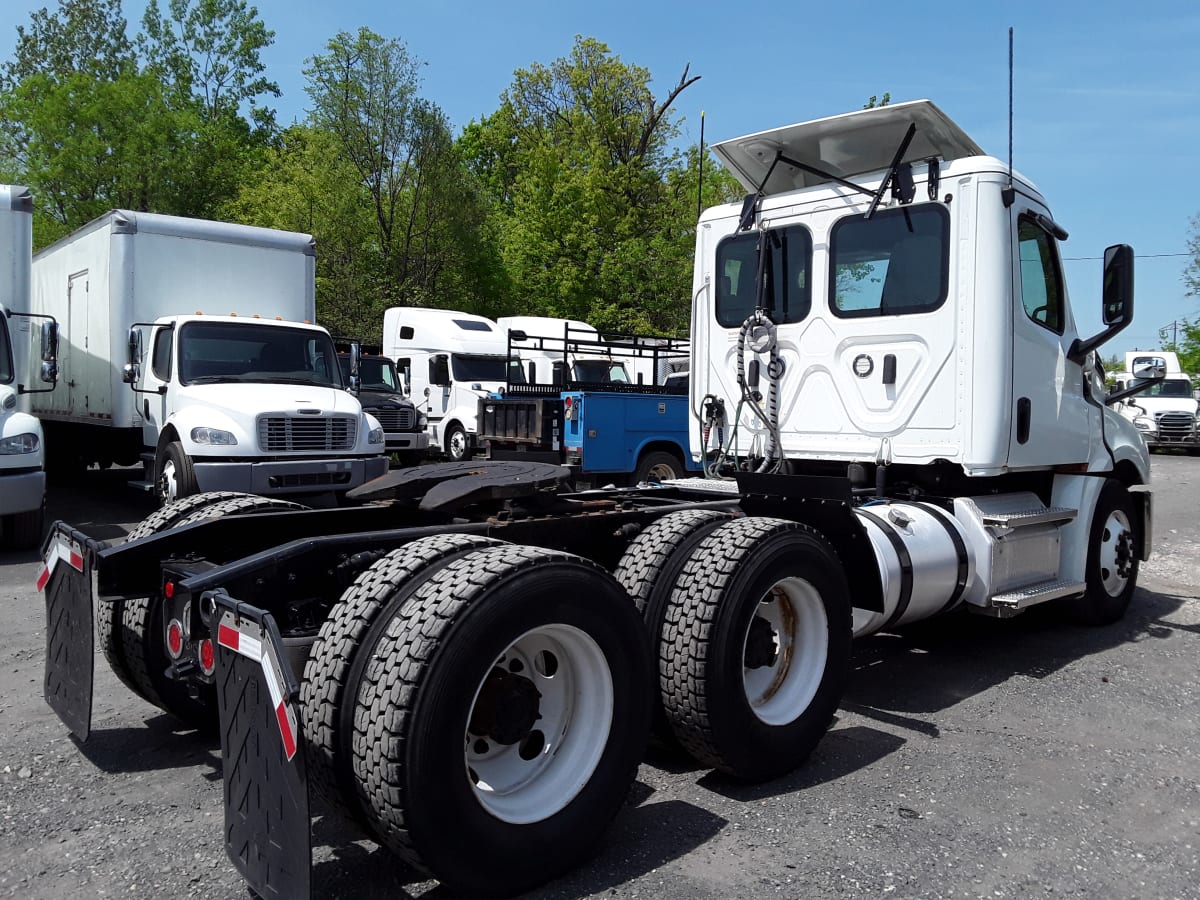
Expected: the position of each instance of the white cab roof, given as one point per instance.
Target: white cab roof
(844, 145)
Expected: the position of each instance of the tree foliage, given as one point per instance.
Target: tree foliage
(1191, 272)
(591, 199)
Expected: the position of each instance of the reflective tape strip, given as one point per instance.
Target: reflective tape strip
(240, 642)
(285, 730)
(48, 568)
(264, 654)
(67, 552)
(272, 684)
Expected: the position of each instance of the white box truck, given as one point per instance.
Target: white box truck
(22, 341)
(450, 360)
(1168, 413)
(190, 344)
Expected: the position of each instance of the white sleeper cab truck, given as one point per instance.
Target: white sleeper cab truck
(189, 344)
(1168, 413)
(449, 361)
(26, 342)
(897, 417)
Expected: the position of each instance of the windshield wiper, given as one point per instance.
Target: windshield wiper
(214, 379)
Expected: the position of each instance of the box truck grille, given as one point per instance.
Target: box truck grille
(1175, 426)
(395, 419)
(278, 434)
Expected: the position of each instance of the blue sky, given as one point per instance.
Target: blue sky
(1107, 122)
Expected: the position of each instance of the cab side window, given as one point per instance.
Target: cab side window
(160, 363)
(1041, 276)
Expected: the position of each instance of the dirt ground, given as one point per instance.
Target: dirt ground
(971, 758)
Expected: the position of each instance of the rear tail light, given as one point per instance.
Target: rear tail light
(169, 590)
(174, 638)
(208, 659)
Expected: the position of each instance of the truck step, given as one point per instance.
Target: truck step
(1020, 518)
(146, 486)
(147, 458)
(1012, 602)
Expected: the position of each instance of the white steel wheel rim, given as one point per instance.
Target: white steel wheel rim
(1116, 541)
(458, 444)
(660, 472)
(168, 483)
(516, 784)
(779, 693)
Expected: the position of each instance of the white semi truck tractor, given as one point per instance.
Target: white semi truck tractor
(897, 416)
(27, 366)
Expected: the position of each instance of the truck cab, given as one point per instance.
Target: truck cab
(1166, 414)
(254, 405)
(28, 365)
(381, 391)
(449, 361)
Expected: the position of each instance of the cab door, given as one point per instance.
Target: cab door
(1050, 417)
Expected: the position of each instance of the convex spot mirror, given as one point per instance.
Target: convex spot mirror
(1152, 369)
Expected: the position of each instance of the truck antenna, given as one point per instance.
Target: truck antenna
(1010, 193)
(700, 178)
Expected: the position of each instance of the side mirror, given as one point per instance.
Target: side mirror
(1118, 285)
(439, 370)
(49, 342)
(355, 362)
(1147, 372)
(133, 356)
(1117, 301)
(50, 373)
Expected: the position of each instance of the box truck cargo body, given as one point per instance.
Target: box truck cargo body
(167, 323)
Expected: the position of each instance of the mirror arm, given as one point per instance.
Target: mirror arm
(1081, 347)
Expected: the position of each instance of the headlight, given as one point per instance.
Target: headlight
(204, 435)
(20, 443)
(422, 422)
(1144, 423)
(375, 436)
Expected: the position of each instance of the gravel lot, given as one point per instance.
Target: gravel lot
(971, 758)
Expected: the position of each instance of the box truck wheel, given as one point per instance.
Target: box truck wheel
(176, 477)
(1112, 560)
(501, 718)
(650, 568)
(755, 647)
(344, 645)
(658, 466)
(23, 530)
(458, 443)
(131, 631)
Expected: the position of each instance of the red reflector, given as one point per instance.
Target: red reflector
(208, 662)
(174, 638)
(169, 590)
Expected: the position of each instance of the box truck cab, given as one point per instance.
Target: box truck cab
(231, 404)
(27, 366)
(1167, 413)
(449, 361)
(188, 344)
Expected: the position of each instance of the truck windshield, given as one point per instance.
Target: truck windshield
(375, 373)
(602, 371)
(1177, 388)
(214, 352)
(6, 356)
(473, 367)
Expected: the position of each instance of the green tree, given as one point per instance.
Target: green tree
(584, 185)
(80, 36)
(875, 101)
(428, 225)
(1191, 272)
(1185, 343)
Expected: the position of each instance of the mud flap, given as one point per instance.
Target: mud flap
(66, 578)
(267, 832)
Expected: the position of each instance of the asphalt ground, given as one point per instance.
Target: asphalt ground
(971, 758)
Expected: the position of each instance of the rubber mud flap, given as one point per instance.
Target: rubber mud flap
(66, 578)
(267, 832)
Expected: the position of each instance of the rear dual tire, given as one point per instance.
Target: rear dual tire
(501, 713)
